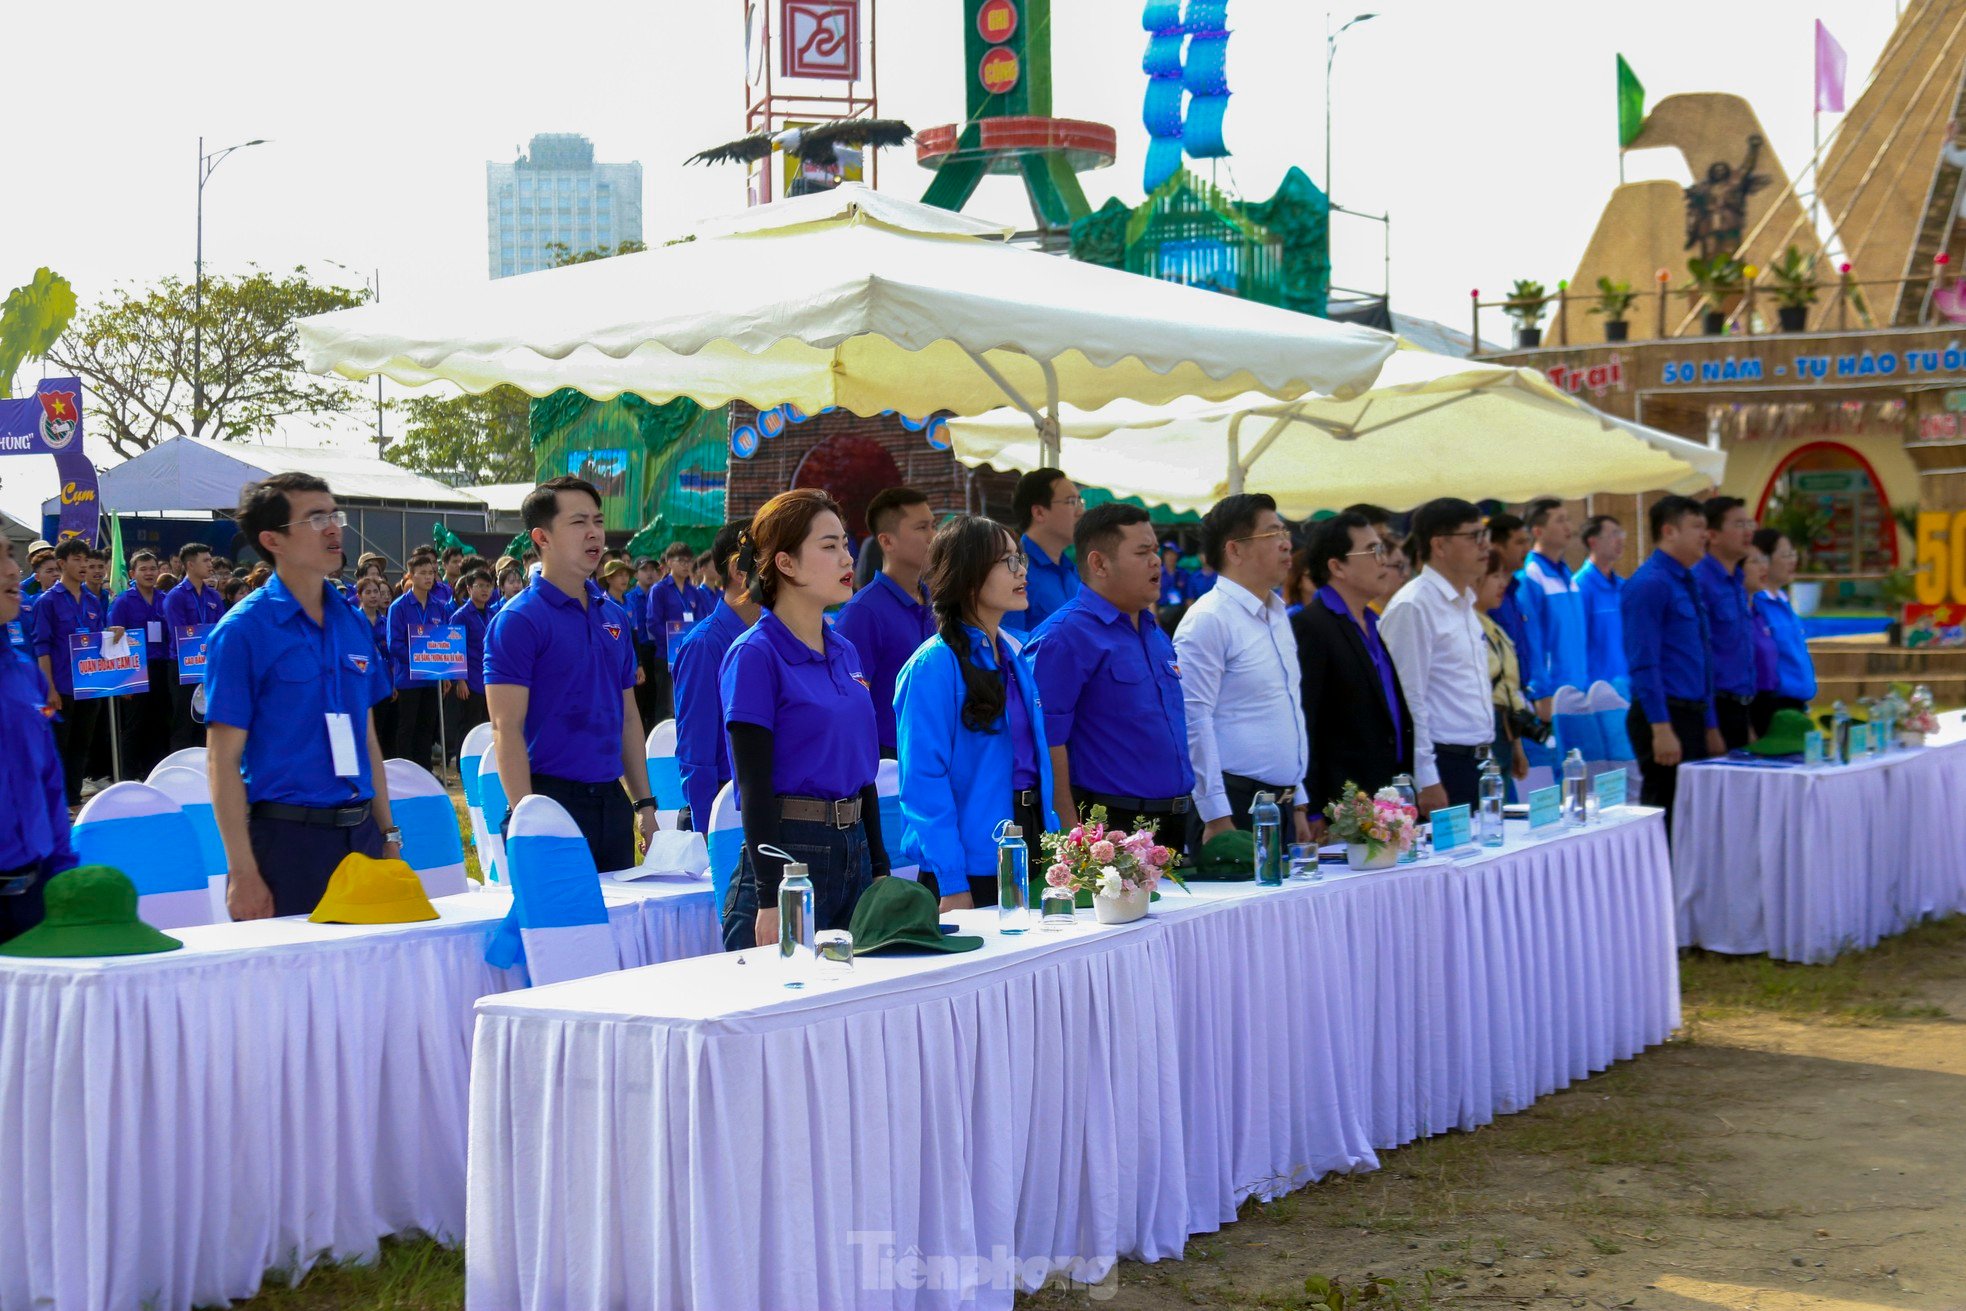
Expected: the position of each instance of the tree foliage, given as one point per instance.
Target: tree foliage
(134, 351)
(31, 321)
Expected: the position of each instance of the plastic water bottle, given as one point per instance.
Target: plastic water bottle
(1840, 733)
(1268, 823)
(1408, 796)
(1576, 799)
(795, 921)
(1013, 880)
(1491, 803)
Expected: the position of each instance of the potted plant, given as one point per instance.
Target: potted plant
(1614, 300)
(1525, 305)
(1116, 870)
(1375, 828)
(1716, 278)
(1802, 522)
(1795, 288)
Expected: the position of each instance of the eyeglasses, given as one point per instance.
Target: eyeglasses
(1017, 562)
(1478, 534)
(1070, 501)
(1377, 551)
(321, 520)
(1269, 536)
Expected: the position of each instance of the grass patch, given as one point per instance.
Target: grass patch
(407, 1275)
(1863, 987)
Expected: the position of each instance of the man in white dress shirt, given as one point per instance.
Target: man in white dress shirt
(1436, 641)
(1240, 681)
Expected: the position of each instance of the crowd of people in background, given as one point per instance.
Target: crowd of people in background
(1018, 674)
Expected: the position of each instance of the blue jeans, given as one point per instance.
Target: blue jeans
(837, 861)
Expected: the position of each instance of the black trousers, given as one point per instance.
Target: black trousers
(1736, 721)
(416, 722)
(75, 737)
(1460, 776)
(147, 722)
(185, 731)
(1241, 795)
(1762, 712)
(661, 694)
(23, 910)
(472, 711)
(1170, 829)
(453, 711)
(386, 720)
(296, 860)
(1659, 784)
(602, 813)
(649, 659)
(983, 887)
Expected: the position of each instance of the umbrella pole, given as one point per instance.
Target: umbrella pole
(1046, 423)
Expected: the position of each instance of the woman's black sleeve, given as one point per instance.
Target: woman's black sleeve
(750, 764)
(870, 816)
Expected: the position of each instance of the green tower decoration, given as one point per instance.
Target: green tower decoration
(1009, 127)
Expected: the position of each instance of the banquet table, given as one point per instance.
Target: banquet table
(174, 1126)
(944, 1130)
(1804, 862)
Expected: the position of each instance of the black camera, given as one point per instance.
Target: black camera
(1531, 727)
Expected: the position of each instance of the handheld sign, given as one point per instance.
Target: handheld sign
(437, 651)
(191, 642)
(103, 666)
(1452, 826)
(1545, 807)
(1812, 747)
(1610, 787)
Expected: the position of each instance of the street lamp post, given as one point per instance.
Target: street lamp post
(1331, 53)
(206, 163)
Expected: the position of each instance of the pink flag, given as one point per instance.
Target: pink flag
(1830, 64)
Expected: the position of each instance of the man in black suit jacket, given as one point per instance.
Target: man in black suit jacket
(1359, 727)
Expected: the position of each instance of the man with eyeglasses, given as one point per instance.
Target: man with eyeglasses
(1441, 654)
(1355, 712)
(1047, 506)
(292, 675)
(1240, 680)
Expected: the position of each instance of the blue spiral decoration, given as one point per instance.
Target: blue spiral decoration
(1187, 84)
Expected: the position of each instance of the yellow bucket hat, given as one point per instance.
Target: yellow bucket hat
(363, 890)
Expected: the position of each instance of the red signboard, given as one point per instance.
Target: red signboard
(999, 70)
(997, 21)
(820, 39)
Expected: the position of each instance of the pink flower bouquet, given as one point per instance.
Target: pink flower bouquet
(1092, 859)
(1377, 823)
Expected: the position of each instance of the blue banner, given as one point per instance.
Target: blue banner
(437, 651)
(191, 640)
(50, 423)
(99, 675)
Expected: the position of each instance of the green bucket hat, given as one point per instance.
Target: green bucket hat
(90, 911)
(1227, 857)
(900, 915)
(1785, 734)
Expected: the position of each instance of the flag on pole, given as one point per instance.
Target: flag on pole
(1631, 104)
(116, 582)
(1831, 63)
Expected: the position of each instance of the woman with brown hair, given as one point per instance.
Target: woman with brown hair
(1504, 669)
(804, 747)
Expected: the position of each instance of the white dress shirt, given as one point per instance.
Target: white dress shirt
(1435, 638)
(1244, 694)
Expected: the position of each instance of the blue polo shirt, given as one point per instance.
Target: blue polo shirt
(379, 626)
(706, 601)
(1795, 672)
(186, 606)
(576, 660)
(1604, 626)
(440, 592)
(1201, 582)
(637, 601)
(129, 610)
(1049, 585)
(20, 632)
(817, 707)
(34, 822)
(1726, 599)
(670, 603)
(475, 622)
(404, 614)
(702, 750)
(885, 625)
(1667, 643)
(57, 616)
(277, 674)
(1111, 694)
(1173, 586)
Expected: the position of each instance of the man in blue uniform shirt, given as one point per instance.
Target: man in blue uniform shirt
(1557, 653)
(192, 602)
(68, 608)
(417, 707)
(292, 674)
(146, 716)
(473, 614)
(646, 658)
(34, 843)
(560, 682)
(673, 609)
(1598, 583)
(890, 617)
(1173, 578)
(702, 749)
(1110, 686)
(1669, 650)
(1730, 532)
(1510, 536)
(1047, 507)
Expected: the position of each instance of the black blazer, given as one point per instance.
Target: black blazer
(1345, 715)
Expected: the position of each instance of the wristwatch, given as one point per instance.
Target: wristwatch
(648, 803)
(394, 835)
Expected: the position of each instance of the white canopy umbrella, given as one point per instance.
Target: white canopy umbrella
(855, 299)
(1432, 426)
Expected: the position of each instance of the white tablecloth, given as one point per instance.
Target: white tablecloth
(1804, 863)
(174, 1126)
(940, 1130)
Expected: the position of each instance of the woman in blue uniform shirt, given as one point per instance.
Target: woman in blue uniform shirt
(968, 727)
(803, 744)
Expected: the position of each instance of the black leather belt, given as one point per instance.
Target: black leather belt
(1734, 698)
(1138, 805)
(1026, 800)
(1456, 749)
(315, 816)
(15, 882)
(844, 813)
(1685, 703)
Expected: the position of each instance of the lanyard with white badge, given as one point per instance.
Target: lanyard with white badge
(341, 728)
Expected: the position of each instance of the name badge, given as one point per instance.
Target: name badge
(153, 633)
(1452, 825)
(341, 745)
(1812, 747)
(1610, 787)
(1545, 807)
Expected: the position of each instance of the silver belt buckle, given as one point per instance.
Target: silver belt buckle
(840, 817)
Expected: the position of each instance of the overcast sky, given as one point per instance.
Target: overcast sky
(1487, 130)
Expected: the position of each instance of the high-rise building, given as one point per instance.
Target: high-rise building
(555, 192)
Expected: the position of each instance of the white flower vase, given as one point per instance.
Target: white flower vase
(1123, 909)
(1360, 855)
(1907, 738)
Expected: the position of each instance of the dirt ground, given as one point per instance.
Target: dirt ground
(1798, 1148)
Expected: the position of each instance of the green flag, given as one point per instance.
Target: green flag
(116, 581)
(1631, 104)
